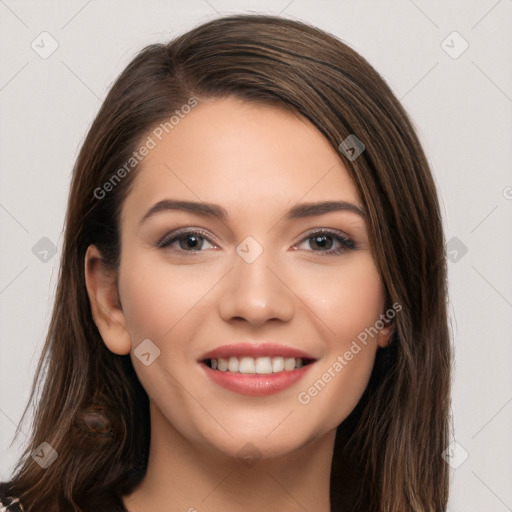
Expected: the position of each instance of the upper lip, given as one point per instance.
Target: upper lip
(256, 350)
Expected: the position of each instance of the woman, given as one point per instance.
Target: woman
(251, 308)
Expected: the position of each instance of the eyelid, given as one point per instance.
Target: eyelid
(347, 243)
(331, 231)
(184, 231)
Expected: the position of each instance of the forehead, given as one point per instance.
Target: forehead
(247, 157)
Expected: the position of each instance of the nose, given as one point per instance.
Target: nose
(256, 293)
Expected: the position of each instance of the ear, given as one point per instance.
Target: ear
(106, 308)
(384, 336)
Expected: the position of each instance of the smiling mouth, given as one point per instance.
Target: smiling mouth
(256, 365)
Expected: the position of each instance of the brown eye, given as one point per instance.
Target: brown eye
(188, 241)
(322, 242)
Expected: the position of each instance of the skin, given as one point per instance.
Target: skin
(255, 161)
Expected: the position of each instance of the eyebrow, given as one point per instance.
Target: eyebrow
(214, 210)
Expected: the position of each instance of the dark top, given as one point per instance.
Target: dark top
(10, 504)
(97, 503)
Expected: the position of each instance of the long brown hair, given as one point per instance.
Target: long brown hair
(387, 454)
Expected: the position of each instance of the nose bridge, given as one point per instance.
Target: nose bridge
(254, 292)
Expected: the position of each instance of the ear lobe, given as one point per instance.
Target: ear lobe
(105, 305)
(384, 336)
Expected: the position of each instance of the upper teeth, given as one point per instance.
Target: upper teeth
(260, 365)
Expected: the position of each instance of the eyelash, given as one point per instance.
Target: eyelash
(346, 243)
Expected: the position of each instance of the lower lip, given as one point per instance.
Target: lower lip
(255, 384)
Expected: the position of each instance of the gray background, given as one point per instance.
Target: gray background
(461, 106)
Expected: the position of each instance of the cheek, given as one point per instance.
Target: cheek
(144, 307)
(160, 304)
(156, 297)
(331, 392)
(335, 388)
(350, 307)
(347, 299)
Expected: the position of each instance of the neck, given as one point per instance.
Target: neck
(184, 476)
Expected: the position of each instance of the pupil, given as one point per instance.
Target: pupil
(195, 241)
(322, 239)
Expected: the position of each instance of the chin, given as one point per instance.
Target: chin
(251, 444)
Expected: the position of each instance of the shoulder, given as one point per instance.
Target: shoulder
(10, 504)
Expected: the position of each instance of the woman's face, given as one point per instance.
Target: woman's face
(193, 283)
